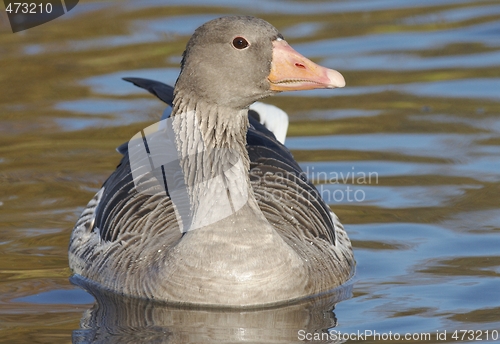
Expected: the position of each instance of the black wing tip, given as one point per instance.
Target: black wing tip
(163, 91)
(135, 80)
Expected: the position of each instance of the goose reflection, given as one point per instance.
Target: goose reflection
(118, 319)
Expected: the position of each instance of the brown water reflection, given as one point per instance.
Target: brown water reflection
(421, 109)
(114, 319)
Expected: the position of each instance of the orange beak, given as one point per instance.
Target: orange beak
(290, 71)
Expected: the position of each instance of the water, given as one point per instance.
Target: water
(420, 115)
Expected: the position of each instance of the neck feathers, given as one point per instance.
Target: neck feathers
(222, 127)
(211, 144)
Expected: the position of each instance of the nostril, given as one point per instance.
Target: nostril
(300, 65)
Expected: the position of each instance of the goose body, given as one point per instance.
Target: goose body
(252, 231)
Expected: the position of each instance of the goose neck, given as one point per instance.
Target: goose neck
(214, 162)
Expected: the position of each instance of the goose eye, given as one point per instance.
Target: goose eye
(240, 43)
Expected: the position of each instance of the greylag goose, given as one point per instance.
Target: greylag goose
(252, 231)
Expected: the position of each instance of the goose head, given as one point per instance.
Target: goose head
(235, 61)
